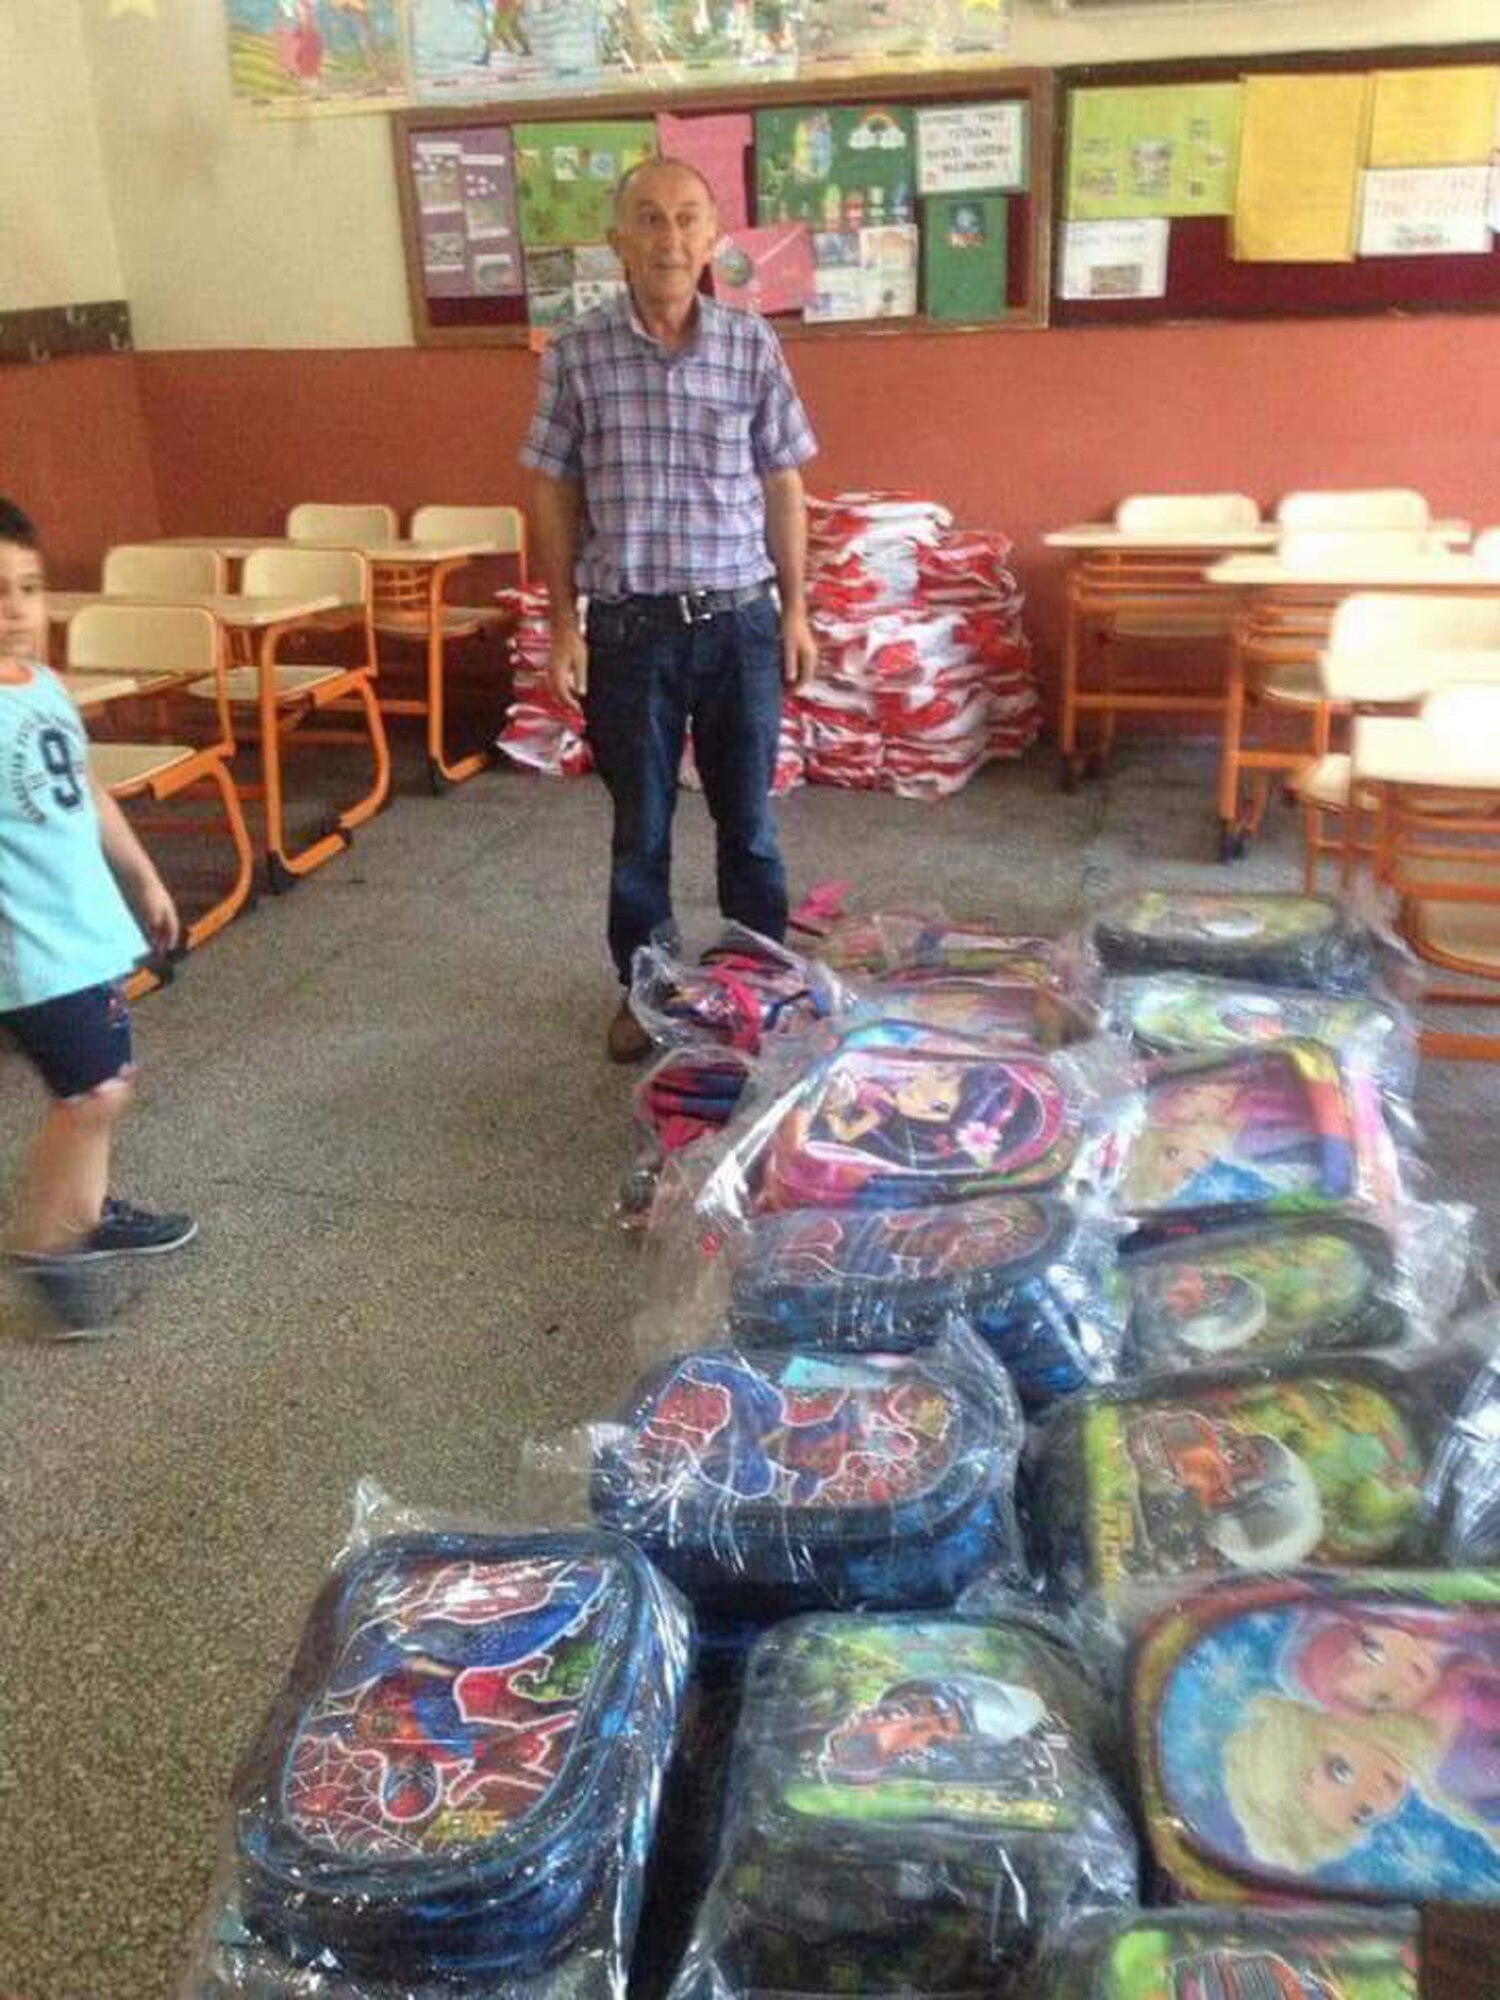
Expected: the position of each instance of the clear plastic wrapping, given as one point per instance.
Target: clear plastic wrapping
(456, 1785)
(687, 1094)
(743, 991)
(1138, 1492)
(912, 1801)
(892, 1115)
(1246, 936)
(1185, 1013)
(1464, 1483)
(765, 1481)
(1290, 1127)
(1032, 1275)
(1004, 1009)
(1247, 1953)
(1325, 1734)
(1293, 1285)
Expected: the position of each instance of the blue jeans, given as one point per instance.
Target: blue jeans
(650, 675)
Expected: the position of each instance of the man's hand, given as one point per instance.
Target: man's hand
(799, 649)
(157, 914)
(568, 664)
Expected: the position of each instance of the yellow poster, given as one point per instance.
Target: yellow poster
(1434, 117)
(1302, 144)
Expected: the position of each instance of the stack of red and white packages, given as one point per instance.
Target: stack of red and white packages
(541, 730)
(924, 673)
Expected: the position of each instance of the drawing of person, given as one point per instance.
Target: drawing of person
(1306, 1787)
(932, 1728)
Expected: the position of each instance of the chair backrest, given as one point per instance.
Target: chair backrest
(1391, 622)
(356, 526)
(1327, 548)
(1468, 715)
(1185, 513)
(141, 639)
(153, 570)
(1361, 508)
(1485, 554)
(339, 573)
(504, 526)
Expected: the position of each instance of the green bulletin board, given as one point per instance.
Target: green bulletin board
(836, 166)
(964, 256)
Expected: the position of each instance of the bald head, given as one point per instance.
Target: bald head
(661, 179)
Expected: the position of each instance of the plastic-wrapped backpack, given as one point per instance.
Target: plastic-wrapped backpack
(1240, 1954)
(768, 1481)
(1291, 1286)
(1158, 1485)
(911, 1801)
(744, 990)
(1028, 1273)
(1326, 1734)
(1271, 940)
(459, 1778)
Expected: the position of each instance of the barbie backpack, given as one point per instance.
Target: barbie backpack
(1325, 1735)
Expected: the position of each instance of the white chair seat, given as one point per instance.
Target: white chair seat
(1464, 930)
(1326, 784)
(1294, 686)
(459, 620)
(1191, 625)
(117, 764)
(243, 683)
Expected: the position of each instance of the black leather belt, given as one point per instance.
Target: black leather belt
(690, 607)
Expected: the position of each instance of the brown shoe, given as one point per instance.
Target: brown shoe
(628, 1041)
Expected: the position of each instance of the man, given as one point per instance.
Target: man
(666, 448)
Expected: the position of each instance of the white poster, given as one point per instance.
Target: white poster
(971, 149)
(1425, 212)
(888, 266)
(1115, 260)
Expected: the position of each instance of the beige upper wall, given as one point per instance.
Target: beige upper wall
(57, 240)
(242, 232)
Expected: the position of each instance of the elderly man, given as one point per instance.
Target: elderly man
(666, 446)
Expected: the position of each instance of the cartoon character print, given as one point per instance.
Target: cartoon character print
(1224, 919)
(1239, 1132)
(1211, 1493)
(724, 1425)
(899, 1246)
(1268, 1294)
(450, 1710)
(963, 1727)
(1228, 1973)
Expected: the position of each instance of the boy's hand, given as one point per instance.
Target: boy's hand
(158, 915)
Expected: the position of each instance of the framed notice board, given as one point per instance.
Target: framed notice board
(866, 205)
(1388, 154)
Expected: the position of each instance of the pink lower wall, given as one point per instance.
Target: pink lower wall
(75, 455)
(1021, 431)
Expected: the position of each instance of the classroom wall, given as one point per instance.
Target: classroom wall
(1023, 431)
(237, 231)
(57, 240)
(74, 453)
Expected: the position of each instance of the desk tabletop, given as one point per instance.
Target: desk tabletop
(1403, 750)
(1106, 538)
(87, 691)
(1406, 675)
(230, 608)
(418, 553)
(1439, 568)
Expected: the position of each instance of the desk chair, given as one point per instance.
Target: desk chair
(1279, 635)
(1154, 596)
(148, 569)
(164, 647)
(356, 526)
(1389, 635)
(411, 605)
(283, 697)
(1360, 508)
(1439, 852)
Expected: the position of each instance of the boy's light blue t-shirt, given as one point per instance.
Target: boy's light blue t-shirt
(64, 925)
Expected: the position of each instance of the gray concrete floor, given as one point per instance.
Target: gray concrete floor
(385, 1098)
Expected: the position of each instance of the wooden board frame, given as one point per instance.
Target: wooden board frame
(1412, 284)
(1032, 208)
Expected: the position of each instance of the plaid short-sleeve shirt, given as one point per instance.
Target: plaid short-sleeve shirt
(669, 447)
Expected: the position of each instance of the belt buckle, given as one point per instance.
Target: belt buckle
(694, 606)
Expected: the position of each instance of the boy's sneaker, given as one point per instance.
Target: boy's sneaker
(127, 1231)
(75, 1304)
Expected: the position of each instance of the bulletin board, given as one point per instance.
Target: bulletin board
(898, 203)
(1204, 278)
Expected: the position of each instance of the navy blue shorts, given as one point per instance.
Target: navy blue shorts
(76, 1042)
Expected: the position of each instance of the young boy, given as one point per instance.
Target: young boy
(71, 874)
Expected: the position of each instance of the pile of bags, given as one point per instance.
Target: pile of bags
(924, 672)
